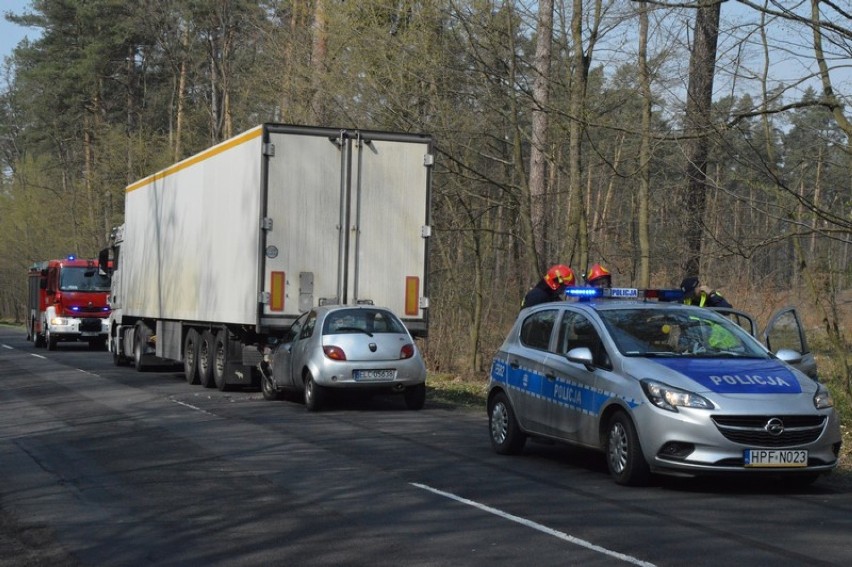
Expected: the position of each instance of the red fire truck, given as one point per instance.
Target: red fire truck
(67, 301)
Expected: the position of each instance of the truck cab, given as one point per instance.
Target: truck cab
(67, 301)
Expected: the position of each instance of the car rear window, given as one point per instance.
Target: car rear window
(370, 321)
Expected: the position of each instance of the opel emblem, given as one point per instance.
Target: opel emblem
(774, 427)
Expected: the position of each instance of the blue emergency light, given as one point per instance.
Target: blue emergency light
(72, 257)
(584, 292)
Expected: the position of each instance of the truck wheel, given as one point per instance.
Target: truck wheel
(205, 359)
(220, 360)
(190, 356)
(415, 396)
(38, 338)
(49, 340)
(140, 344)
(314, 394)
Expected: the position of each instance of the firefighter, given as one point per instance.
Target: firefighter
(551, 287)
(696, 294)
(598, 276)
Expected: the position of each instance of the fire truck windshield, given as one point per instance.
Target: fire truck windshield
(83, 279)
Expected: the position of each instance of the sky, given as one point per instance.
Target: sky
(11, 34)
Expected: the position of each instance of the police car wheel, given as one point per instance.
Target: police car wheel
(506, 436)
(624, 456)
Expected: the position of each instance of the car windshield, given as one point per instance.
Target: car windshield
(369, 321)
(83, 279)
(650, 332)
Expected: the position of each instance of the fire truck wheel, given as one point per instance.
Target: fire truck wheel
(38, 338)
(49, 340)
(190, 356)
(206, 348)
(220, 360)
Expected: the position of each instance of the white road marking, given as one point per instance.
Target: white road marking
(536, 526)
(38, 356)
(8, 347)
(192, 407)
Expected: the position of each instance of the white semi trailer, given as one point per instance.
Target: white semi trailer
(220, 252)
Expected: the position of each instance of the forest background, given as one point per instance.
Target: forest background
(659, 138)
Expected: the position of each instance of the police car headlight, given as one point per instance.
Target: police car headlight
(822, 398)
(670, 398)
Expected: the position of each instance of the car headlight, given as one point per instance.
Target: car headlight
(670, 398)
(60, 321)
(822, 398)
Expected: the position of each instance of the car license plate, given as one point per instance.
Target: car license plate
(775, 458)
(374, 375)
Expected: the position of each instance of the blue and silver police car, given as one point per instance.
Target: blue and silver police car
(659, 387)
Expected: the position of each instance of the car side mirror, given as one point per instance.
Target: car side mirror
(581, 355)
(789, 356)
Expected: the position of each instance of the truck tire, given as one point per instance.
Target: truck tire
(140, 345)
(205, 359)
(190, 356)
(220, 360)
(38, 338)
(49, 340)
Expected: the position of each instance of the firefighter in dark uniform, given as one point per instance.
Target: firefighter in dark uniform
(551, 287)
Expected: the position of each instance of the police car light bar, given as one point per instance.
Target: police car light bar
(624, 293)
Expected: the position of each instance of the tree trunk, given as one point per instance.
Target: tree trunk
(702, 65)
(644, 197)
(538, 163)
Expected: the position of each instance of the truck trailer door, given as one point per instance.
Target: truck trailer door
(346, 221)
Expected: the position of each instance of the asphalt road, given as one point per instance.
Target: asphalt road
(102, 465)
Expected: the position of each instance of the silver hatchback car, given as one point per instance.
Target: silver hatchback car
(345, 346)
(659, 388)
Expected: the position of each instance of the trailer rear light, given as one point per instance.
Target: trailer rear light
(412, 295)
(407, 351)
(334, 353)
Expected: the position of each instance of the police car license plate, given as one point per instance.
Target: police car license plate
(775, 458)
(374, 375)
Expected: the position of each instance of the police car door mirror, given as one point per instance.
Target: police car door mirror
(789, 356)
(580, 355)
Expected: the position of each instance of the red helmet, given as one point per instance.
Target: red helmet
(559, 275)
(598, 272)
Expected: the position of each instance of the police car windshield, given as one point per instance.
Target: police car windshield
(661, 332)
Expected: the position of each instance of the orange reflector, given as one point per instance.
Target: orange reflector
(412, 295)
(276, 291)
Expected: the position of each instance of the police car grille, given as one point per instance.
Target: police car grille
(751, 429)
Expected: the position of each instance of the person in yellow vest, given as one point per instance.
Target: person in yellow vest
(696, 294)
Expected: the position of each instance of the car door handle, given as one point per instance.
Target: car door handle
(550, 376)
(514, 364)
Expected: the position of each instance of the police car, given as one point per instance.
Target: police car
(659, 387)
